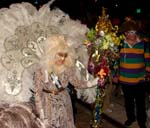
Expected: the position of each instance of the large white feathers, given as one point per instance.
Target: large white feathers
(23, 30)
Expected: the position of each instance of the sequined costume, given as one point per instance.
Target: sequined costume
(24, 30)
(57, 107)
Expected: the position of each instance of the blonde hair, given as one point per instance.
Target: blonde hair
(53, 45)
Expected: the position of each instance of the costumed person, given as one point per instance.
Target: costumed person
(56, 70)
(24, 30)
(134, 65)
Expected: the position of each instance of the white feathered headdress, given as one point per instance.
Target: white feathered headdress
(23, 30)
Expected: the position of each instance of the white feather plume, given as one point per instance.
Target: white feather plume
(23, 31)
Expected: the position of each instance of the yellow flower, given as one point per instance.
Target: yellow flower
(86, 42)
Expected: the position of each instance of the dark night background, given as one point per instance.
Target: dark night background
(88, 10)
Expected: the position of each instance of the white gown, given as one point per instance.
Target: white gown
(23, 30)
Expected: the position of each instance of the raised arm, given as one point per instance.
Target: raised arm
(80, 83)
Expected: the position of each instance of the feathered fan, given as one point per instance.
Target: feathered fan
(23, 30)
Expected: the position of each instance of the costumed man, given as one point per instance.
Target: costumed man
(56, 70)
(133, 68)
(26, 40)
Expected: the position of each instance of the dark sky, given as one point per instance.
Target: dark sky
(128, 6)
(89, 10)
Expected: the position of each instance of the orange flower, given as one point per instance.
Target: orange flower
(101, 73)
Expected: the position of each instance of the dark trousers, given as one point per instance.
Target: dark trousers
(134, 97)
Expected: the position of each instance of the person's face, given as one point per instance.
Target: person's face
(60, 58)
(131, 35)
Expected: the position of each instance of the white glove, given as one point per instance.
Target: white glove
(92, 82)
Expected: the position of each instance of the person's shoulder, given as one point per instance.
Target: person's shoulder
(122, 42)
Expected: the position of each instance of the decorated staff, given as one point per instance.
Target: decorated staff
(102, 44)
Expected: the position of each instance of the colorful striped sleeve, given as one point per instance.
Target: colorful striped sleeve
(147, 56)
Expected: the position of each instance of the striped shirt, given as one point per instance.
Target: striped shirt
(134, 62)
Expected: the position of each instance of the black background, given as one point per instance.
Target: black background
(88, 10)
